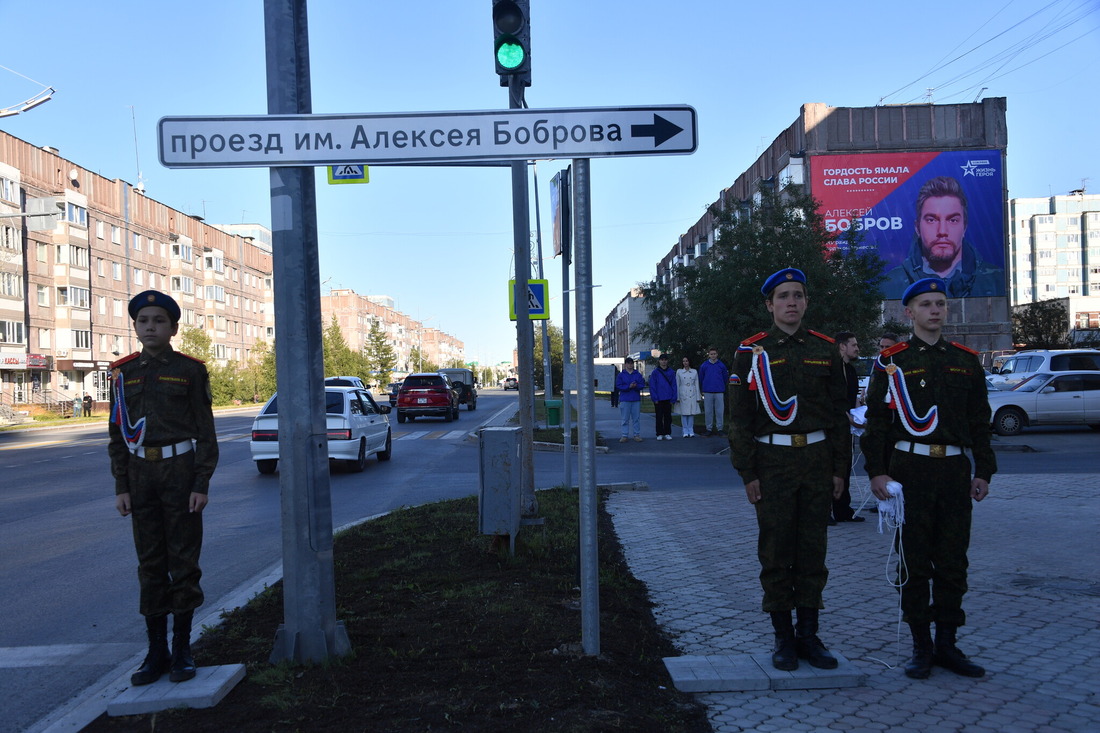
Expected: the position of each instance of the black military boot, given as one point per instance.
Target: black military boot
(183, 665)
(920, 666)
(948, 656)
(784, 656)
(808, 646)
(158, 659)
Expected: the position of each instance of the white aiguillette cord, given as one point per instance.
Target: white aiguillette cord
(891, 513)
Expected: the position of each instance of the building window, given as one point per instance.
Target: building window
(42, 252)
(217, 264)
(182, 252)
(9, 191)
(99, 227)
(73, 296)
(215, 292)
(11, 285)
(183, 284)
(76, 214)
(43, 296)
(11, 332)
(43, 338)
(101, 301)
(117, 305)
(82, 339)
(137, 277)
(137, 242)
(116, 234)
(8, 239)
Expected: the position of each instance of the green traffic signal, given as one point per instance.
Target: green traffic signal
(510, 53)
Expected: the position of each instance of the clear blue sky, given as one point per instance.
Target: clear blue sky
(439, 239)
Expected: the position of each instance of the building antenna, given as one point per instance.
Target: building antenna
(137, 159)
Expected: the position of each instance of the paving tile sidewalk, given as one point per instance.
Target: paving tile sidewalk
(1033, 618)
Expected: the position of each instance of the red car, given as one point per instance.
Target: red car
(427, 393)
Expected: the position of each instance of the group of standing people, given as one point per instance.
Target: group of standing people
(791, 444)
(792, 392)
(686, 392)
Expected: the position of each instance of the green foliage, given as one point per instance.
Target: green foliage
(340, 360)
(557, 341)
(722, 304)
(379, 355)
(417, 362)
(1041, 325)
(197, 343)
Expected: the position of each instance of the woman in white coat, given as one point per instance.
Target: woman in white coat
(687, 389)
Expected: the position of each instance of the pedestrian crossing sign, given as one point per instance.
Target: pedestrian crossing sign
(537, 300)
(349, 173)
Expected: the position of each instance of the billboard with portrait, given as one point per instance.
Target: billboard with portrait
(958, 232)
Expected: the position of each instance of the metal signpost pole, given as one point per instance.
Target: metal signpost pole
(548, 383)
(566, 255)
(310, 632)
(525, 336)
(586, 408)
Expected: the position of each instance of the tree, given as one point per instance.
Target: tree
(340, 360)
(557, 341)
(261, 370)
(197, 343)
(379, 354)
(721, 304)
(1041, 325)
(417, 362)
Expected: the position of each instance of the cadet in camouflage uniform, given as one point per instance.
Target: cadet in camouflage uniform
(790, 442)
(926, 406)
(163, 451)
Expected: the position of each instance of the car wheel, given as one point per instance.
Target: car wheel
(400, 416)
(360, 461)
(455, 413)
(471, 406)
(386, 453)
(1009, 421)
(449, 415)
(267, 465)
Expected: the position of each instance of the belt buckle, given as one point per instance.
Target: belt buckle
(798, 440)
(937, 451)
(153, 454)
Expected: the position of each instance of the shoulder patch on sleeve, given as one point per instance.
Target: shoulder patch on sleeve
(895, 349)
(124, 359)
(753, 339)
(830, 339)
(192, 358)
(964, 348)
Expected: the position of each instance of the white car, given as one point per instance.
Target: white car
(1061, 398)
(1021, 365)
(357, 428)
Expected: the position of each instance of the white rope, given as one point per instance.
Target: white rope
(891, 513)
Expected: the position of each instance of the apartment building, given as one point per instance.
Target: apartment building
(75, 247)
(357, 313)
(865, 166)
(1054, 247)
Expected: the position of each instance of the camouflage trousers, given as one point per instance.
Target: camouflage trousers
(935, 536)
(167, 537)
(796, 496)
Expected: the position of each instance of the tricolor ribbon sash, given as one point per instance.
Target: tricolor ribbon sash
(782, 412)
(133, 434)
(897, 397)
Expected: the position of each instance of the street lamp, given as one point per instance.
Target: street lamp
(27, 104)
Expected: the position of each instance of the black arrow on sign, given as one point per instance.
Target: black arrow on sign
(661, 130)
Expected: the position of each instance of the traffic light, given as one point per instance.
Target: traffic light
(512, 40)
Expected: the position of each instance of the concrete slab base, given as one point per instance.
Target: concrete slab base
(206, 690)
(740, 672)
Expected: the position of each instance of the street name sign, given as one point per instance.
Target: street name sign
(425, 137)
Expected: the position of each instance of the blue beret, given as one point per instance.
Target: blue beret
(155, 298)
(927, 285)
(789, 275)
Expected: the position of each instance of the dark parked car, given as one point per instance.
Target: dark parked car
(465, 383)
(394, 388)
(427, 393)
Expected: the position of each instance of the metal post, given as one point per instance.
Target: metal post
(310, 632)
(547, 381)
(566, 411)
(525, 337)
(586, 409)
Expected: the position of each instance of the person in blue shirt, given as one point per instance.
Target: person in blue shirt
(713, 376)
(662, 390)
(630, 384)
